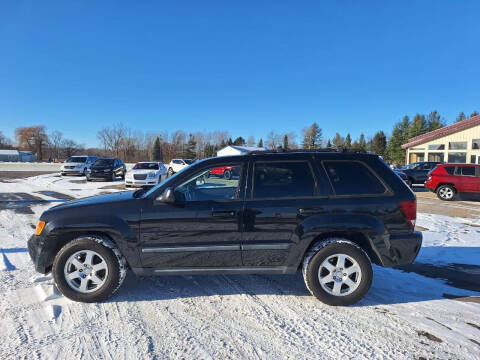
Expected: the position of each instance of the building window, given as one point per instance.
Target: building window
(435, 157)
(436, 147)
(416, 157)
(476, 144)
(460, 157)
(472, 159)
(417, 149)
(457, 145)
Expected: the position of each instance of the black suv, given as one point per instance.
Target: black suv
(328, 214)
(417, 173)
(107, 169)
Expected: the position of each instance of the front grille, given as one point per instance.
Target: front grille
(139, 176)
(69, 167)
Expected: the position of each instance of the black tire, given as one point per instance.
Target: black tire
(123, 175)
(446, 192)
(227, 174)
(170, 172)
(62, 174)
(88, 178)
(322, 251)
(115, 262)
(85, 172)
(114, 178)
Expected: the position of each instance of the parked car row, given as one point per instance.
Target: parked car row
(446, 180)
(145, 173)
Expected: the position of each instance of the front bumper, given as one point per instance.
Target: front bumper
(72, 171)
(39, 254)
(140, 183)
(104, 176)
(404, 248)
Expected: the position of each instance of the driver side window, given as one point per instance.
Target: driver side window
(212, 184)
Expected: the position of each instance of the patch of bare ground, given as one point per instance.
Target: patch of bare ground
(429, 336)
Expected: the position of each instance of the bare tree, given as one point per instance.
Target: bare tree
(55, 140)
(32, 138)
(112, 138)
(274, 140)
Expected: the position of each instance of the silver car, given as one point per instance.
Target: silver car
(77, 165)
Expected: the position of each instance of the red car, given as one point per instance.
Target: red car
(448, 180)
(225, 171)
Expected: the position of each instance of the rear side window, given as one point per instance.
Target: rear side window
(468, 170)
(283, 180)
(353, 178)
(450, 169)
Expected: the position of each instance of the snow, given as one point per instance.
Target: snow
(216, 316)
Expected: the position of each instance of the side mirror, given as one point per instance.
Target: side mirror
(167, 196)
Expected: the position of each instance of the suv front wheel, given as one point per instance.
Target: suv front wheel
(337, 272)
(89, 269)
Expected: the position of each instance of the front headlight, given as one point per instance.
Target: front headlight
(151, 175)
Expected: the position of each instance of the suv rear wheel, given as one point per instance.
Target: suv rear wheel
(89, 269)
(337, 272)
(446, 192)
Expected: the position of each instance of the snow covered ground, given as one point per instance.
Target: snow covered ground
(404, 316)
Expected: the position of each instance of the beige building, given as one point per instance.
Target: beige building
(457, 143)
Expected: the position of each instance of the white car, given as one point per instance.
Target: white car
(178, 164)
(78, 164)
(147, 173)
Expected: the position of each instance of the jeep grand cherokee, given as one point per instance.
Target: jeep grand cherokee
(327, 214)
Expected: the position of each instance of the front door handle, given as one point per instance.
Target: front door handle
(310, 211)
(224, 213)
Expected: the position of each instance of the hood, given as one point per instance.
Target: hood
(144, 171)
(101, 167)
(94, 200)
(73, 164)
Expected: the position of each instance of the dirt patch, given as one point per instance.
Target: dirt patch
(56, 195)
(475, 341)
(84, 181)
(473, 299)
(420, 228)
(429, 336)
(474, 325)
(21, 202)
(114, 187)
(439, 323)
(22, 174)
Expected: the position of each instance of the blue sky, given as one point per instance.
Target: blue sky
(248, 67)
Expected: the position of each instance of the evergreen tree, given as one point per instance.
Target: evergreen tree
(312, 137)
(434, 121)
(285, 142)
(191, 149)
(156, 150)
(475, 113)
(348, 141)
(461, 116)
(229, 141)
(338, 141)
(400, 136)
(223, 144)
(329, 144)
(379, 144)
(418, 126)
(239, 141)
(362, 143)
(260, 143)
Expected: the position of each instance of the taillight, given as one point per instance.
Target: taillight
(409, 210)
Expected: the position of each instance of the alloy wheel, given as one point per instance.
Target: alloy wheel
(339, 275)
(85, 271)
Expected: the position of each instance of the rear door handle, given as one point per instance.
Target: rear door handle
(224, 213)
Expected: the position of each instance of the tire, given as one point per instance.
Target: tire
(85, 172)
(62, 174)
(111, 278)
(170, 172)
(88, 178)
(114, 178)
(446, 192)
(341, 292)
(123, 175)
(227, 174)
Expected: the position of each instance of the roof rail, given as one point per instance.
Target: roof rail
(330, 149)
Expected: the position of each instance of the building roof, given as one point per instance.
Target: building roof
(9, 152)
(241, 149)
(447, 130)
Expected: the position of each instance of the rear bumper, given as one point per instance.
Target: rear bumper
(40, 257)
(404, 248)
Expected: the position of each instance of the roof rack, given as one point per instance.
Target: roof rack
(330, 149)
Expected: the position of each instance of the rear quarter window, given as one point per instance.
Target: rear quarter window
(450, 169)
(353, 178)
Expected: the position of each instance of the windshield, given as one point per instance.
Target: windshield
(104, 162)
(77, 159)
(410, 166)
(188, 161)
(146, 166)
(171, 178)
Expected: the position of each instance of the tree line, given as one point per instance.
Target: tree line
(133, 145)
